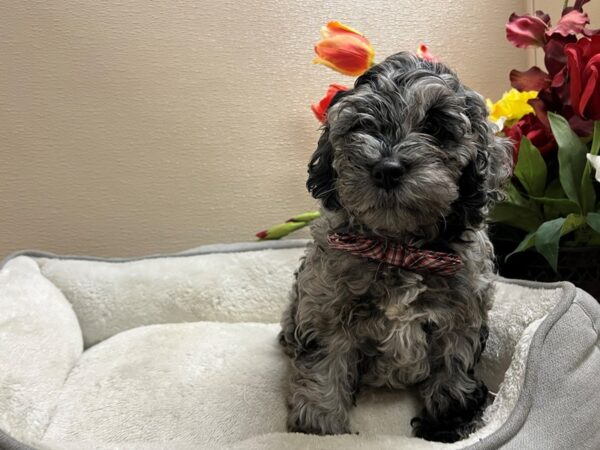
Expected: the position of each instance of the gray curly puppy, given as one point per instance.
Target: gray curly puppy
(395, 289)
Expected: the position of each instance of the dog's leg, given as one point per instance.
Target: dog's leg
(288, 327)
(288, 319)
(322, 389)
(453, 397)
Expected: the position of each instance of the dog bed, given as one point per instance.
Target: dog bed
(180, 352)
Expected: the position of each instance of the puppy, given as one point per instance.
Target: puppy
(395, 289)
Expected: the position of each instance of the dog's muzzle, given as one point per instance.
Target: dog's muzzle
(387, 173)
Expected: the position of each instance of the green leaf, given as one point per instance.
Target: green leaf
(596, 139)
(593, 220)
(547, 238)
(588, 194)
(553, 211)
(563, 205)
(572, 223)
(527, 242)
(572, 161)
(516, 216)
(531, 168)
(555, 190)
(565, 225)
(514, 196)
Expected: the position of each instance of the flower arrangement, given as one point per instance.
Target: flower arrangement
(552, 116)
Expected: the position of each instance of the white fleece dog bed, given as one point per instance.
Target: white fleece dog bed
(180, 352)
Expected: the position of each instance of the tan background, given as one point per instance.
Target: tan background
(136, 127)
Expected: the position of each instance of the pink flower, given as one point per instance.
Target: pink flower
(423, 52)
(527, 30)
(524, 31)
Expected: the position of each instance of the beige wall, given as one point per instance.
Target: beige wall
(136, 127)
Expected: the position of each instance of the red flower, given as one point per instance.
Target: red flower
(572, 22)
(320, 109)
(531, 127)
(524, 31)
(555, 59)
(583, 62)
(534, 79)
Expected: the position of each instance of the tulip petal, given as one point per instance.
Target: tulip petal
(535, 130)
(335, 26)
(589, 103)
(352, 71)
(524, 31)
(573, 63)
(348, 56)
(424, 53)
(589, 33)
(571, 23)
(580, 126)
(540, 111)
(344, 49)
(534, 79)
(320, 109)
(554, 53)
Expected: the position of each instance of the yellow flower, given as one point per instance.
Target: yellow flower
(511, 107)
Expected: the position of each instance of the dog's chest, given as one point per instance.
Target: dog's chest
(393, 338)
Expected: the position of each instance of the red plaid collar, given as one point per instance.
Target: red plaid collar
(396, 254)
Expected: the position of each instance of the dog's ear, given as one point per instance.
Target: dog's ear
(494, 153)
(321, 174)
(484, 177)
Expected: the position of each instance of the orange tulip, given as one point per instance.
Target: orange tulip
(344, 49)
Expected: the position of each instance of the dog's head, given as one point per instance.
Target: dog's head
(408, 148)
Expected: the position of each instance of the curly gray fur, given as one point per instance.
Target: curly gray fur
(353, 321)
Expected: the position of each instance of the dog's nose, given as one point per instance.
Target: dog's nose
(387, 173)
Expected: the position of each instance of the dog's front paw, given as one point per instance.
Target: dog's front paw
(430, 429)
(456, 424)
(317, 423)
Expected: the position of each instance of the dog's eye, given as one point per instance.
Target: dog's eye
(435, 130)
(430, 127)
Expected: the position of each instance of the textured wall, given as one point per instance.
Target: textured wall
(136, 127)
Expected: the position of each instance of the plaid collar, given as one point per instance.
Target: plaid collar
(396, 254)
